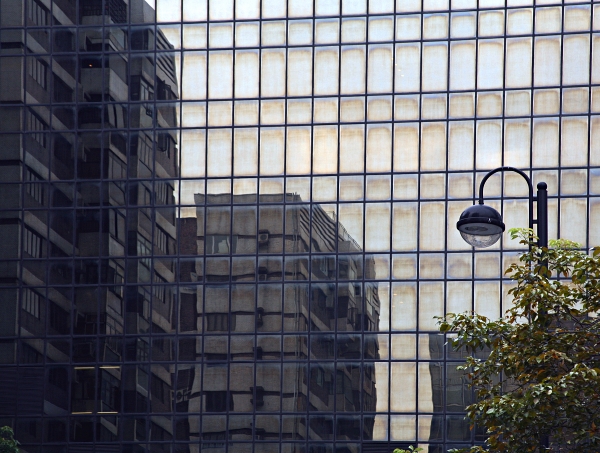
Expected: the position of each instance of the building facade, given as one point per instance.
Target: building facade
(229, 225)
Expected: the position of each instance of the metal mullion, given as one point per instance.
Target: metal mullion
(502, 148)
(475, 125)
(560, 120)
(202, 255)
(284, 205)
(590, 128)
(309, 330)
(231, 206)
(390, 254)
(446, 360)
(445, 253)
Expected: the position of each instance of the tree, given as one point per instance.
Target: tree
(411, 449)
(536, 371)
(7, 442)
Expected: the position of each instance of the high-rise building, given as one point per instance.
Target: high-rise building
(228, 225)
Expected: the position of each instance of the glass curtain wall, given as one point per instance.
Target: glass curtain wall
(229, 225)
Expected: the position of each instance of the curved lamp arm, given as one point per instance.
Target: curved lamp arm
(542, 199)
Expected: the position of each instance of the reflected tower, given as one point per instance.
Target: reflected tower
(90, 154)
(281, 292)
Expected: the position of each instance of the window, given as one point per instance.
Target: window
(218, 401)
(216, 322)
(38, 127)
(117, 169)
(115, 277)
(63, 150)
(144, 249)
(320, 377)
(219, 244)
(29, 354)
(165, 143)
(146, 199)
(116, 224)
(145, 150)
(343, 385)
(62, 92)
(38, 71)
(157, 433)
(63, 41)
(161, 291)
(32, 243)
(145, 92)
(213, 440)
(162, 240)
(59, 377)
(164, 193)
(109, 392)
(31, 302)
(58, 318)
(35, 188)
(164, 91)
(158, 389)
(37, 13)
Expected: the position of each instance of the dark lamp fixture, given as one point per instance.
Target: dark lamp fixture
(480, 226)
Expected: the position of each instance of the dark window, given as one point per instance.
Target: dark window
(109, 392)
(162, 240)
(213, 440)
(29, 354)
(164, 193)
(63, 41)
(62, 91)
(116, 224)
(36, 125)
(219, 322)
(164, 91)
(56, 431)
(32, 243)
(158, 389)
(58, 318)
(35, 188)
(218, 401)
(144, 249)
(58, 377)
(37, 13)
(63, 150)
(159, 434)
(165, 143)
(38, 71)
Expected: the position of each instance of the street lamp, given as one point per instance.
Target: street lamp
(482, 226)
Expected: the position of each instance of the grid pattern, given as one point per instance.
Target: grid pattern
(231, 222)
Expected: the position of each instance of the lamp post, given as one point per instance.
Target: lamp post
(481, 226)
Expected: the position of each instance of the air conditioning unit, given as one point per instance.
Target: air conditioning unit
(262, 277)
(263, 237)
(260, 313)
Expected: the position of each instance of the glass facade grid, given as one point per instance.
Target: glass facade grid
(230, 224)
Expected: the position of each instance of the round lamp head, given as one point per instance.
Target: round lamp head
(480, 225)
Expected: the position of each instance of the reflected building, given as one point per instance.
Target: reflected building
(88, 158)
(280, 294)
